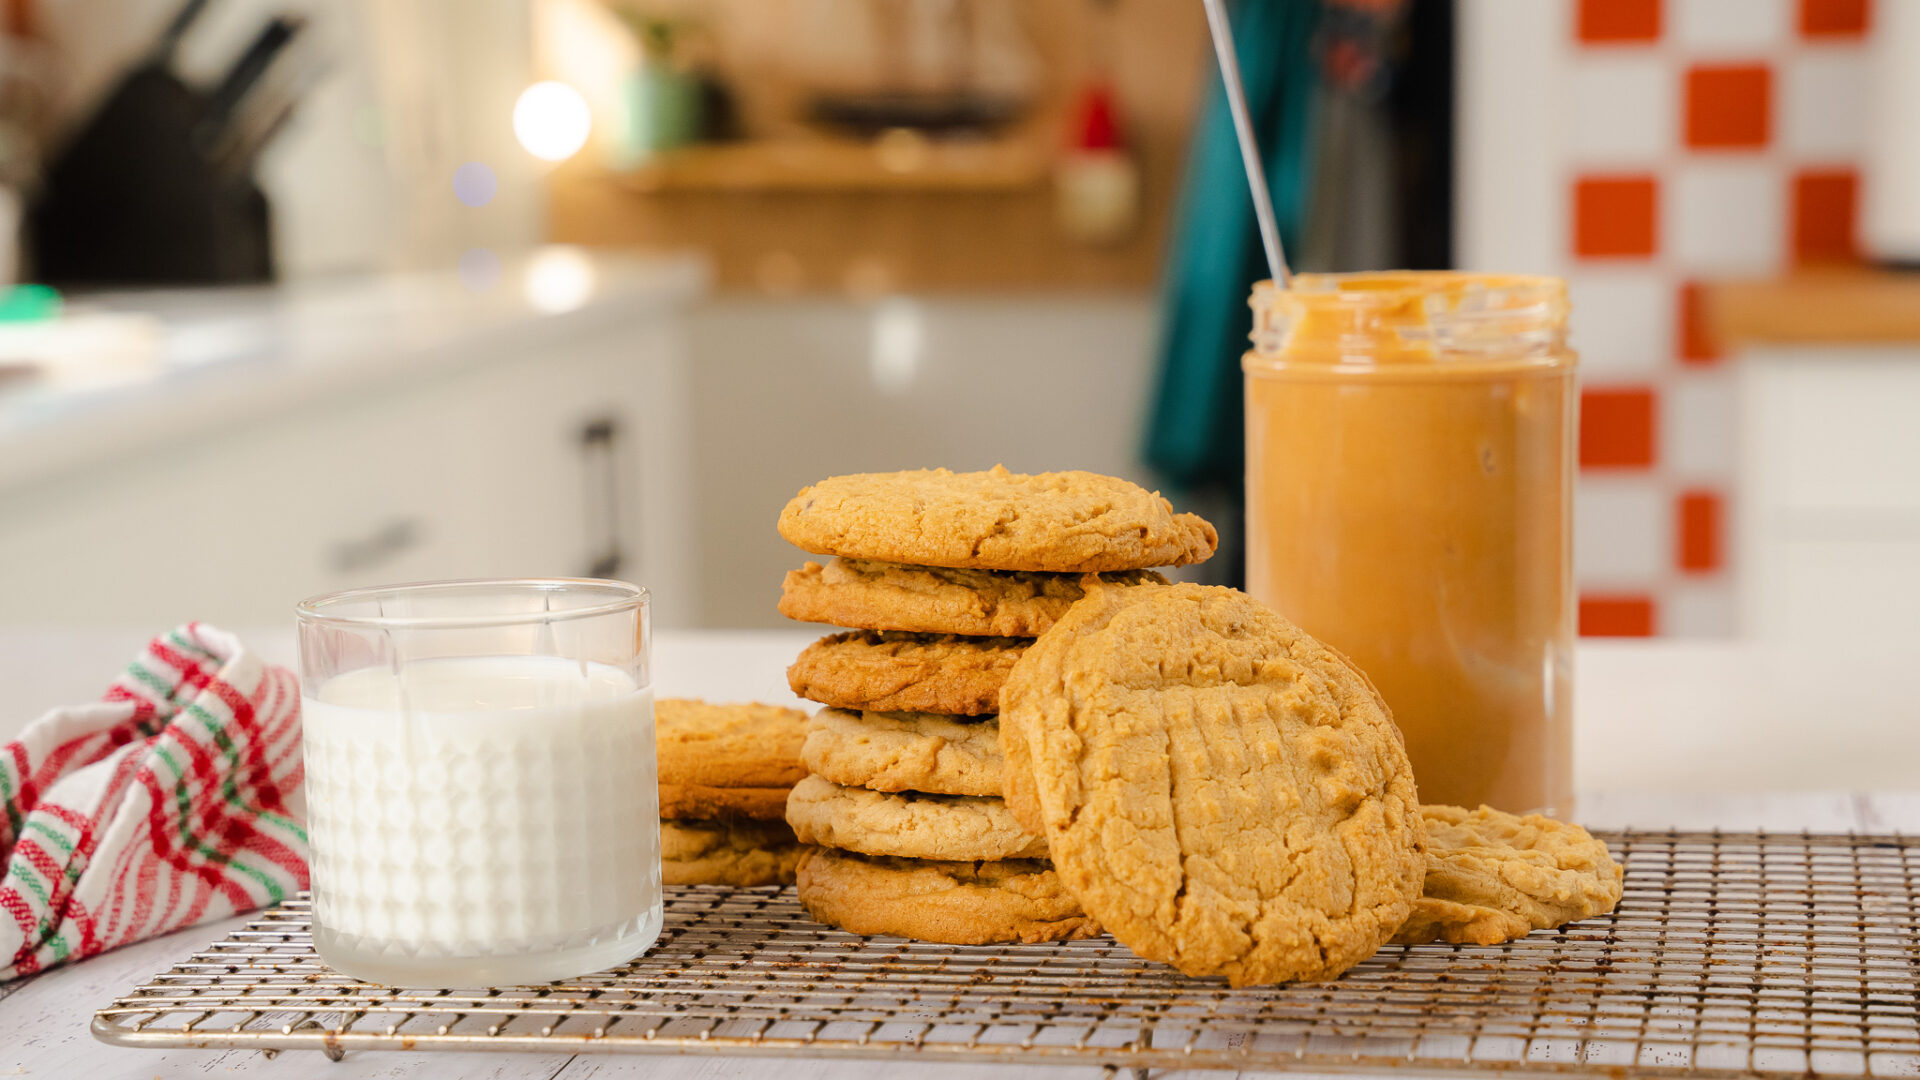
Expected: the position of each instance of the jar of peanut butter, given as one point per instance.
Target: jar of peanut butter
(1410, 441)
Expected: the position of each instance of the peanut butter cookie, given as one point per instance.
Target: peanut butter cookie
(907, 826)
(738, 853)
(1493, 876)
(727, 746)
(697, 802)
(894, 672)
(905, 751)
(1219, 790)
(726, 761)
(1069, 522)
(935, 599)
(957, 903)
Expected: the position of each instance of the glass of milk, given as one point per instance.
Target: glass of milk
(481, 790)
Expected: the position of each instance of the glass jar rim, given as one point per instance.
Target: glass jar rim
(1407, 318)
(1390, 288)
(619, 596)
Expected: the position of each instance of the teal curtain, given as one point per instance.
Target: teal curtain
(1194, 439)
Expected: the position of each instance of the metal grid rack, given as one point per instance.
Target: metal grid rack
(1730, 955)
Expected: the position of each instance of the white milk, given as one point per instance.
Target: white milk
(482, 821)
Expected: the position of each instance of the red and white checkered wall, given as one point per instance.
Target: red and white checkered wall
(1695, 139)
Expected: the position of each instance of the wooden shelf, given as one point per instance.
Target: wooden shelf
(799, 210)
(892, 163)
(1840, 305)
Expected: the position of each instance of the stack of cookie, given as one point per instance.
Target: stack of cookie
(725, 773)
(946, 578)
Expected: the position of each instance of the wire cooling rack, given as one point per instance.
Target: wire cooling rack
(1730, 955)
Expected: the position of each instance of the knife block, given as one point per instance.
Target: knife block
(134, 200)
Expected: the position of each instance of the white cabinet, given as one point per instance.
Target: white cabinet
(786, 392)
(1830, 491)
(549, 453)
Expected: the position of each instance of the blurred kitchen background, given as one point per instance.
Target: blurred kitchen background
(308, 295)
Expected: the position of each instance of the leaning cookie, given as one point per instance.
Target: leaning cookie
(1494, 876)
(1219, 790)
(738, 853)
(894, 672)
(935, 599)
(1064, 522)
(955, 903)
(905, 751)
(908, 825)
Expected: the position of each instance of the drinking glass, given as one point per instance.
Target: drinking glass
(481, 784)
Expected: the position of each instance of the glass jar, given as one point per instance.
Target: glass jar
(1410, 453)
(480, 777)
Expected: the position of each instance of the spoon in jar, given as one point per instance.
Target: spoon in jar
(1249, 150)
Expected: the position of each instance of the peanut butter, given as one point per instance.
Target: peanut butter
(1409, 501)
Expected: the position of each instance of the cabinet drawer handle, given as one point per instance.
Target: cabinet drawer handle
(382, 545)
(600, 472)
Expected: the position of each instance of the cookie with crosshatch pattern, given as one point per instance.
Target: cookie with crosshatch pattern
(1494, 876)
(1218, 789)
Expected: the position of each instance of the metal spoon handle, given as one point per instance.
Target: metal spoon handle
(1249, 150)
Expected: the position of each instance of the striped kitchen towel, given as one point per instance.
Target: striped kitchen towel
(174, 801)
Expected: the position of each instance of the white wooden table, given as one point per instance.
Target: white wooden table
(1683, 735)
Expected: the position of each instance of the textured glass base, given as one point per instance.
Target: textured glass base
(390, 964)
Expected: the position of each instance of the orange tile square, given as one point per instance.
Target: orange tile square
(1835, 18)
(1616, 428)
(1697, 344)
(1824, 205)
(1729, 106)
(1616, 615)
(1700, 547)
(1612, 22)
(1615, 216)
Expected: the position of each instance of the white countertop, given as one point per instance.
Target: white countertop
(1678, 718)
(1690, 735)
(226, 353)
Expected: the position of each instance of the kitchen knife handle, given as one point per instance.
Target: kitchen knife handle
(183, 21)
(246, 71)
(600, 455)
